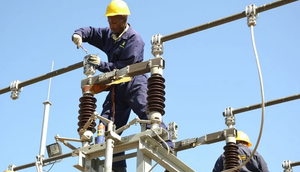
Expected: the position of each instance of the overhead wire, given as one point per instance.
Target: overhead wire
(262, 104)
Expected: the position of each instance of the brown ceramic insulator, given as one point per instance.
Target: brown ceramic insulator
(87, 107)
(231, 156)
(156, 94)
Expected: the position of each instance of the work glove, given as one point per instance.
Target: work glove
(76, 38)
(94, 60)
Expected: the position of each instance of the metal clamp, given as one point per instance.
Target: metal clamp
(10, 168)
(287, 166)
(15, 90)
(251, 15)
(88, 69)
(157, 45)
(172, 128)
(229, 117)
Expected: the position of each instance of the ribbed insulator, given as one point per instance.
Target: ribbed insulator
(231, 156)
(156, 94)
(87, 107)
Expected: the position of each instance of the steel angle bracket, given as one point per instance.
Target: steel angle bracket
(126, 143)
(154, 150)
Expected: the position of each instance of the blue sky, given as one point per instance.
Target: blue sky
(205, 73)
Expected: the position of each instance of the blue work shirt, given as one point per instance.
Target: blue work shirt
(256, 163)
(125, 51)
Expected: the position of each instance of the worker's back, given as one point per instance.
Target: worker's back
(256, 163)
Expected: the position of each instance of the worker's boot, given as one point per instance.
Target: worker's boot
(119, 169)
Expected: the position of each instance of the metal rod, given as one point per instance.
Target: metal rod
(45, 161)
(47, 104)
(109, 150)
(121, 129)
(69, 145)
(45, 76)
(268, 103)
(295, 163)
(223, 20)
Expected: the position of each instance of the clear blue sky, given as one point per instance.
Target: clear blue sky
(205, 73)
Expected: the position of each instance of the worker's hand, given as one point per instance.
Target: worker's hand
(76, 38)
(94, 60)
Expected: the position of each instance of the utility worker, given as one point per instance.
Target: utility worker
(256, 163)
(123, 46)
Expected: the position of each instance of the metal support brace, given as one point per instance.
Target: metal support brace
(81, 160)
(126, 143)
(251, 15)
(154, 150)
(90, 167)
(143, 162)
(15, 90)
(109, 147)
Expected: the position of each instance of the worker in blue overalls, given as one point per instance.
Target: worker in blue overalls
(123, 46)
(256, 163)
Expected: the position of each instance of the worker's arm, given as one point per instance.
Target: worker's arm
(94, 36)
(262, 163)
(125, 52)
(218, 165)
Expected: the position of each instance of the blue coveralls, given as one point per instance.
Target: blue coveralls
(130, 95)
(256, 163)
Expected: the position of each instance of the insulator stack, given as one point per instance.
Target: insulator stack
(156, 94)
(87, 107)
(231, 156)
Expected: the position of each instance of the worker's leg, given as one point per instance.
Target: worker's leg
(137, 100)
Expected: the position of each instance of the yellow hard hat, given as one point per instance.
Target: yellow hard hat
(117, 7)
(241, 136)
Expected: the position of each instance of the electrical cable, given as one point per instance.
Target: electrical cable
(168, 148)
(262, 105)
(53, 163)
(49, 168)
